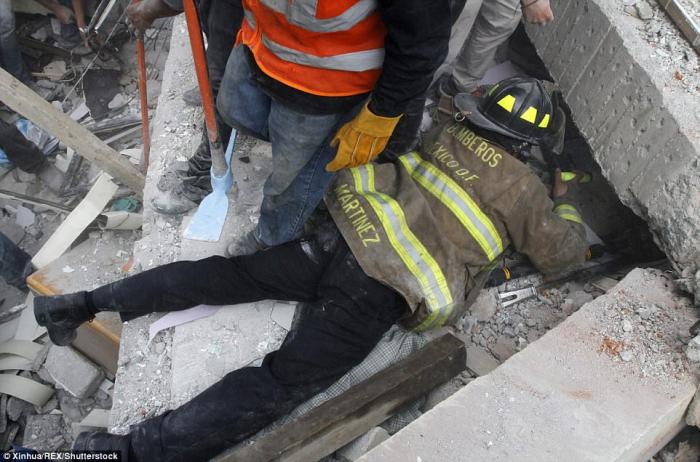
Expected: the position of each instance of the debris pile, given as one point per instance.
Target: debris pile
(51, 422)
(94, 82)
(680, 60)
(502, 332)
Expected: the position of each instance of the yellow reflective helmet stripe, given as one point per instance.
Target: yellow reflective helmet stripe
(568, 212)
(456, 199)
(412, 252)
(507, 103)
(567, 176)
(545, 121)
(571, 217)
(530, 115)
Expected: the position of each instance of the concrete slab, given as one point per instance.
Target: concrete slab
(571, 395)
(206, 350)
(639, 118)
(189, 357)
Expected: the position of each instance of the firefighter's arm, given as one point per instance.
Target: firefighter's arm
(550, 233)
(416, 43)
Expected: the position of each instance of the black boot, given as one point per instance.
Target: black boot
(62, 315)
(102, 441)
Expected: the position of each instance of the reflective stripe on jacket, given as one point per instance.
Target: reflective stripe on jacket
(323, 47)
(429, 223)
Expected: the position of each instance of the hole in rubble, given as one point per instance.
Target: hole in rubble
(625, 239)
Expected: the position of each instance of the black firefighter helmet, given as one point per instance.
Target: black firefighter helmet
(518, 107)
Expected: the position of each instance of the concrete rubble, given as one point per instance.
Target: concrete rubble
(569, 366)
(79, 384)
(633, 87)
(571, 388)
(73, 372)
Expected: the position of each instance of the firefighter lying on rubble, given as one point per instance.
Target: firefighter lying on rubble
(408, 243)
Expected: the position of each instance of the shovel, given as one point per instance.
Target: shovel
(208, 221)
(143, 96)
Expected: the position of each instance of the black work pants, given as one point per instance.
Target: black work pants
(344, 315)
(19, 150)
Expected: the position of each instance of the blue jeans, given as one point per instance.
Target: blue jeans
(10, 57)
(300, 150)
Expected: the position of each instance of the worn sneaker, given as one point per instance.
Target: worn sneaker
(247, 245)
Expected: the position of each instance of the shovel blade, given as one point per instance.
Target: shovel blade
(208, 221)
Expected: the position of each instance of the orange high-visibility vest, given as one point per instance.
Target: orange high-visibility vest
(323, 47)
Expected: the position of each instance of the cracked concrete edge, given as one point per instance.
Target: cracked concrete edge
(160, 242)
(641, 124)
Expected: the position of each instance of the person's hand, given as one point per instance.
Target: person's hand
(537, 11)
(362, 139)
(64, 14)
(564, 181)
(143, 13)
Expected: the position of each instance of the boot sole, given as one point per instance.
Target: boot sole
(59, 336)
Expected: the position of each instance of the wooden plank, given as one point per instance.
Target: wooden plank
(99, 339)
(340, 420)
(23, 100)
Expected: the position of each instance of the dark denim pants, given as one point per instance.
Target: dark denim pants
(10, 57)
(300, 149)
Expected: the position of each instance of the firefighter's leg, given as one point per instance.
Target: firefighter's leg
(329, 337)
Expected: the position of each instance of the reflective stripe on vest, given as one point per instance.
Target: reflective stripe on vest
(358, 61)
(456, 199)
(302, 13)
(568, 212)
(409, 248)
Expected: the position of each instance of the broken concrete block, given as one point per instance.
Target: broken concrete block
(118, 101)
(692, 351)
(3, 413)
(504, 348)
(480, 361)
(73, 372)
(71, 407)
(96, 420)
(15, 408)
(574, 301)
(484, 306)
(644, 10)
(566, 396)
(444, 391)
(692, 417)
(355, 449)
(44, 432)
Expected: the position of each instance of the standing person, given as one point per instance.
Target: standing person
(494, 24)
(221, 20)
(10, 55)
(27, 157)
(306, 74)
(410, 242)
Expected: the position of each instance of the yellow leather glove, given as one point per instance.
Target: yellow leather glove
(361, 140)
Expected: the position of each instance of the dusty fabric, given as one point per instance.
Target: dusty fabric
(509, 202)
